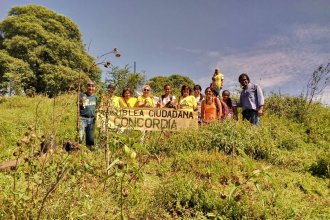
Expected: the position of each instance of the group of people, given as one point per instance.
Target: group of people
(210, 107)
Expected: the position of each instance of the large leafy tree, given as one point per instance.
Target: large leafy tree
(44, 50)
(176, 81)
(13, 72)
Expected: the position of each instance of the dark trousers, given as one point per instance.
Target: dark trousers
(252, 116)
(87, 127)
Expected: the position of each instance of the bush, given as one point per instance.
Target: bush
(321, 167)
(184, 197)
(226, 136)
(315, 119)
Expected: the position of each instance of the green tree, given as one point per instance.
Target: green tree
(13, 73)
(122, 77)
(50, 45)
(176, 81)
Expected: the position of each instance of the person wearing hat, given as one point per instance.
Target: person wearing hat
(109, 102)
(109, 99)
(87, 105)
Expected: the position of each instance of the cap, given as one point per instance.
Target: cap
(90, 83)
(111, 85)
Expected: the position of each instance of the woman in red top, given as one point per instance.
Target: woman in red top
(229, 109)
(211, 107)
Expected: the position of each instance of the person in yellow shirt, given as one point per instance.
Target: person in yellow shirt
(109, 99)
(186, 100)
(108, 103)
(217, 80)
(146, 100)
(127, 101)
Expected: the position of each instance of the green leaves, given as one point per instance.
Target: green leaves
(50, 46)
(13, 73)
(176, 81)
(122, 77)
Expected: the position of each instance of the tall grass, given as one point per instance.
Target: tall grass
(229, 170)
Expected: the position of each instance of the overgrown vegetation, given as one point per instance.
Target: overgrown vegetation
(230, 170)
(41, 52)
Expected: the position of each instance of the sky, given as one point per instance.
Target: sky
(279, 43)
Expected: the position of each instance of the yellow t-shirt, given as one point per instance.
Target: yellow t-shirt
(218, 80)
(149, 101)
(188, 103)
(105, 105)
(127, 104)
(106, 101)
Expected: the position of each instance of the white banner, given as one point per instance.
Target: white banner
(148, 119)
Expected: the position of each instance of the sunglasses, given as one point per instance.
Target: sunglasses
(146, 90)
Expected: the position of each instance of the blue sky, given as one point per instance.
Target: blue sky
(277, 42)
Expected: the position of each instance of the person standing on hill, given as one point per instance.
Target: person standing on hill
(126, 100)
(187, 101)
(146, 100)
(167, 100)
(108, 103)
(211, 109)
(229, 110)
(217, 81)
(251, 100)
(87, 106)
(199, 98)
(109, 100)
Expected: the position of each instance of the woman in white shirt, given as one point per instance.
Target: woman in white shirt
(167, 100)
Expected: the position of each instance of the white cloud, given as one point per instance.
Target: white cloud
(283, 62)
(213, 54)
(310, 33)
(190, 50)
(325, 96)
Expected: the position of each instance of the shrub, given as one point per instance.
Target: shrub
(226, 136)
(315, 119)
(184, 197)
(321, 167)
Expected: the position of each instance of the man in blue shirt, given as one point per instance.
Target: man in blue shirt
(88, 103)
(251, 100)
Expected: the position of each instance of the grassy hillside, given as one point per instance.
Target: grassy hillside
(230, 170)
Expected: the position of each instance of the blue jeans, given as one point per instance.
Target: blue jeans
(252, 116)
(87, 126)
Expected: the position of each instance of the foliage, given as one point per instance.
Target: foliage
(122, 78)
(286, 106)
(229, 170)
(47, 44)
(321, 167)
(228, 137)
(315, 121)
(182, 196)
(157, 83)
(318, 81)
(13, 73)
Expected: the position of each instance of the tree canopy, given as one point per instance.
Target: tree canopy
(157, 83)
(122, 77)
(42, 51)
